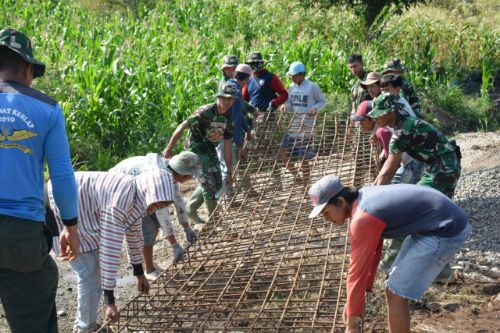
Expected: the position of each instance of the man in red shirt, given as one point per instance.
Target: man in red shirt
(434, 227)
(265, 91)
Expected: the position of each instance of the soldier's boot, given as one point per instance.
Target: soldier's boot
(211, 204)
(194, 203)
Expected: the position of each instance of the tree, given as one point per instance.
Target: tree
(369, 9)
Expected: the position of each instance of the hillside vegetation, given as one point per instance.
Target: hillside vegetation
(126, 76)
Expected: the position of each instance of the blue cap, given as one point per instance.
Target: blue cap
(296, 68)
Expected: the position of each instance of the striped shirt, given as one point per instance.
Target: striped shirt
(110, 208)
(137, 165)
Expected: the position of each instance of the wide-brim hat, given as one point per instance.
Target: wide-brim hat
(186, 163)
(230, 60)
(255, 57)
(21, 44)
(371, 78)
(227, 89)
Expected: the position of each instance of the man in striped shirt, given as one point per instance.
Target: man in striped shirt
(180, 168)
(111, 206)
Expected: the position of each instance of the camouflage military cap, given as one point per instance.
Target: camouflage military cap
(227, 89)
(21, 44)
(255, 57)
(186, 163)
(229, 61)
(383, 104)
(393, 65)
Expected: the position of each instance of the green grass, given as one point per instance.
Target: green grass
(126, 78)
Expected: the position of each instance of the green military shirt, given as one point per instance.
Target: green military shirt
(358, 93)
(207, 128)
(419, 139)
(408, 93)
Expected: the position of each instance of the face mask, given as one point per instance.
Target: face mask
(241, 76)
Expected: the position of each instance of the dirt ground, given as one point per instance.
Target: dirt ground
(469, 306)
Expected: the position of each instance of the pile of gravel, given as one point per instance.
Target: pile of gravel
(478, 193)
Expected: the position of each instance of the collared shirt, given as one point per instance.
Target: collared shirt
(111, 206)
(137, 165)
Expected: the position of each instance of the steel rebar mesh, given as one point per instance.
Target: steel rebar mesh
(260, 263)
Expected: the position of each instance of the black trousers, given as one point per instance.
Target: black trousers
(28, 277)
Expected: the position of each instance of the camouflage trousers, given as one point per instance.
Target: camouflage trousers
(211, 177)
(442, 174)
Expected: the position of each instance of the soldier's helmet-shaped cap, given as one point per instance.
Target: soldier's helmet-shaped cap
(21, 44)
(229, 60)
(255, 57)
(322, 191)
(227, 89)
(384, 103)
(186, 163)
(393, 65)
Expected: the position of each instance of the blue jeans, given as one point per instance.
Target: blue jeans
(419, 262)
(409, 174)
(88, 272)
(299, 147)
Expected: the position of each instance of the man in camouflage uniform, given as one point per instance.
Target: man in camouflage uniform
(423, 142)
(228, 67)
(358, 93)
(420, 140)
(407, 92)
(208, 126)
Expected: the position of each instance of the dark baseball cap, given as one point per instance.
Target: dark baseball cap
(21, 44)
(362, 111)
(322, 191)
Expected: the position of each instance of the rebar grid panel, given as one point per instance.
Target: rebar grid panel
(260, 264)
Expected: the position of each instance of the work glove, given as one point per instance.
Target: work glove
(191, 235)
(177, 253)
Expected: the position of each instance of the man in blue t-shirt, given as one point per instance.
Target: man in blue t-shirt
(32, 131)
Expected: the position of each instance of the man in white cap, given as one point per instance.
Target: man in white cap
(180, 168)
(434, 226)
(305, 99)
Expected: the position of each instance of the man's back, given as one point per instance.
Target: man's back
(31, 129)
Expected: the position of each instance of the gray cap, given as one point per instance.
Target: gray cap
(186, 163)
(322, 191)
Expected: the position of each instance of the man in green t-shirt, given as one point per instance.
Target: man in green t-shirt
(208, 126)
